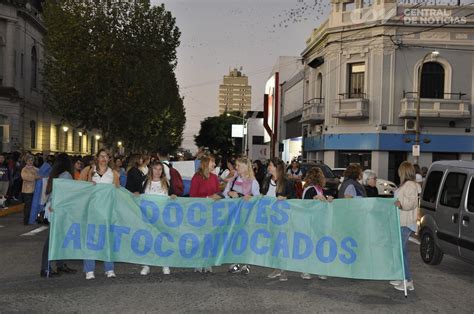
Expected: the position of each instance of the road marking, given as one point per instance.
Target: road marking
(414, 240)
(35, 231)
(1, 226)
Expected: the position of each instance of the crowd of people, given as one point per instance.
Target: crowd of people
(216, 178)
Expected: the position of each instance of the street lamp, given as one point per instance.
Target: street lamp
(65, 128)
(97, 137)
(119, 143)
(243, 130)
(433, 54)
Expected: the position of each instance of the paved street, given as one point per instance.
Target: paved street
(444, 288)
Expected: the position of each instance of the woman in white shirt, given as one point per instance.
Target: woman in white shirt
(156, 184)
(101, 173)
(407, 202)
(243, 185)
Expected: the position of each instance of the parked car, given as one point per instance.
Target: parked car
(447, 208)
(332, 181)
(385, 188)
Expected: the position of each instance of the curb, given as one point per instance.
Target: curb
(11, 210)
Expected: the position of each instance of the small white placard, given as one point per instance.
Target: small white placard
(416, 150)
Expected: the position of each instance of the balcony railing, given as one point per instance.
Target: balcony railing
(313, 111)
(351, 106)
(455, 108)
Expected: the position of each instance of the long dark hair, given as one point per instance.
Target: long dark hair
(61, 164)
(280, 167)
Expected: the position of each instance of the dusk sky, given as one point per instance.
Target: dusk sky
(221, 34)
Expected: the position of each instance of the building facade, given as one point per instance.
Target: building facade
(362, 81)
(25, 122)
(235, 93)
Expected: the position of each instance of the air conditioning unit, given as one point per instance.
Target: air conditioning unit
(410, 125)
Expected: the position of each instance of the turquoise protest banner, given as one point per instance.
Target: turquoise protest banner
(354, 238)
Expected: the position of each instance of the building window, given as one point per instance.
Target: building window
(33, 133)
(432, 80)
(451, 194)
(257, 140)
(22, 64)
(356, 80)
(34, 67)
(319, 86)
(80, 143)
(58, 132)
(362, 158)
(92, 145)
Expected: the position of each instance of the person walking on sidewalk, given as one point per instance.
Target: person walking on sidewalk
(407, 202)
(29, 174)
(4, 181)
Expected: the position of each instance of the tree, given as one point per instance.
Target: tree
(110, 66)
(215, 133)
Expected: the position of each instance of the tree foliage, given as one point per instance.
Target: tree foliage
(110, 66)
(215, 133)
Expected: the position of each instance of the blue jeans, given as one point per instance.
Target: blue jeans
(405, 236)
(89, 265)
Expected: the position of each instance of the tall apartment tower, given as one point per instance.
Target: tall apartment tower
(235, 94)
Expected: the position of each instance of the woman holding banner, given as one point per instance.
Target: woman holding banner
(276, 184)
(205, 184)
(101, 173)
(407, 202)
(313, 190)
(243, 185)
(156, 183)
(62, 169)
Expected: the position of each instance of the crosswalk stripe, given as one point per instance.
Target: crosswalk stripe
(1, 226)
(35, 231)
(414, 240)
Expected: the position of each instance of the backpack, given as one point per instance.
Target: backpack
(176, 181)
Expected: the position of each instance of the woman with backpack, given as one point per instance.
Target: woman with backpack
(276, 184)
(244, 185)
(156, 183)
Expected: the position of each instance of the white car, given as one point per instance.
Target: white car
(386, 188)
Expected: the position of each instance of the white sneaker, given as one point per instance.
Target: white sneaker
(198, 270)
(305, 276)
(410, 286)
(207, 269)
(145, 270)
(283, 276)
(322, 277)
(274, 274)
(396, 282)
(110, 274)
(90, 275)
(166, 270)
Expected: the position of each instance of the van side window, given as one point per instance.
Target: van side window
(432, 185)
(451, 194)
(470, 197)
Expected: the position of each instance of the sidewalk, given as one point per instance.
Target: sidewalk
(11, 210)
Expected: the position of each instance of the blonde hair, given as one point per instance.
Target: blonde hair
(163, 179)
(248, 163)
(406, 172)
(204, 167)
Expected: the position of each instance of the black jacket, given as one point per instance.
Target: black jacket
(288, 191)
(135, 179)
(371, 191)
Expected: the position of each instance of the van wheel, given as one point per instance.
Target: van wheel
(430, 253)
